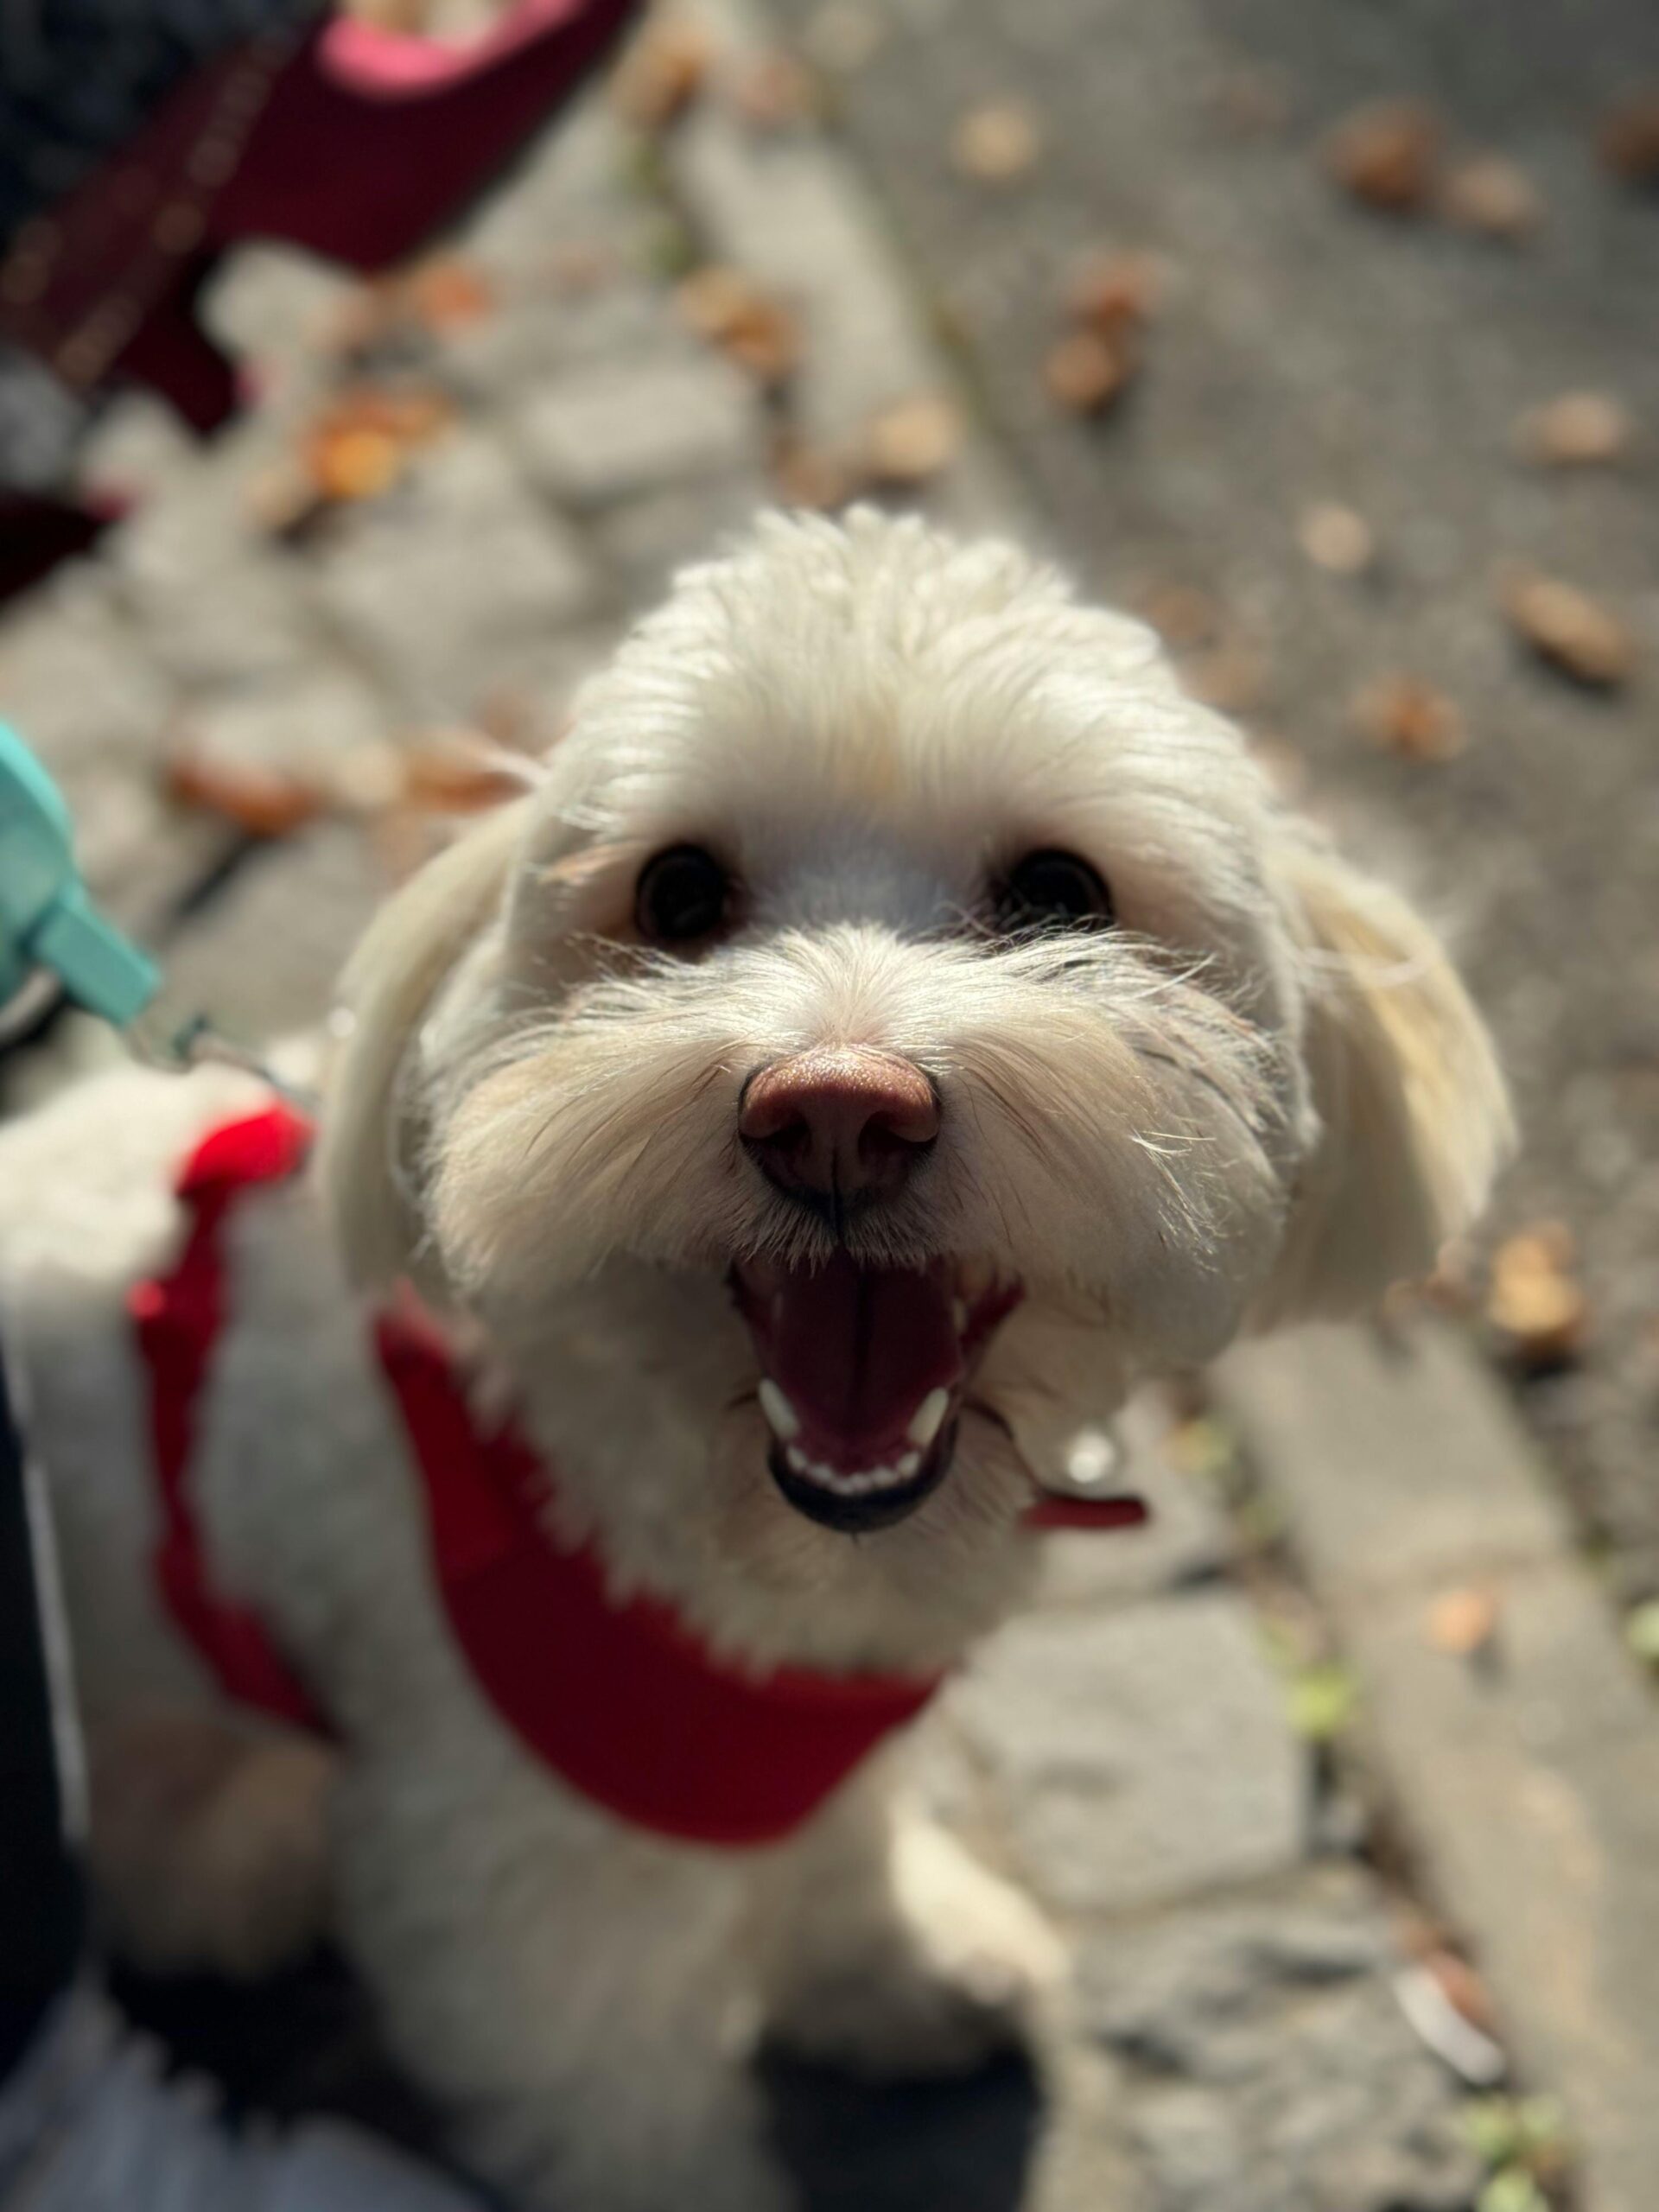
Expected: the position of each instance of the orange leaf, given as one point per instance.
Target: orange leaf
(261, 802)
(1386, 154)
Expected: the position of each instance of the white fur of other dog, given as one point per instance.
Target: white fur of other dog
(1262, 1095)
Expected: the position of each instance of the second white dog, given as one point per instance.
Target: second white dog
(899, 1020)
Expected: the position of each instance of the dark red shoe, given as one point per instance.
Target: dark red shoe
(354, 142)
(370, 140)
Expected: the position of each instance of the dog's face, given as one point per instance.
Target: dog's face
(899, 1019)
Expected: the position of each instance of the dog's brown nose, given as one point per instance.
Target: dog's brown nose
(838, 1124)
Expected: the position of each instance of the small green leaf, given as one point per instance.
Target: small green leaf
(1512, 2190)
(1494, 2130)
(1641, 1631)
(1202, 1446)
(1323, 1699)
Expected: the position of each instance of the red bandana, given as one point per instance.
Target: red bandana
(618, 1697)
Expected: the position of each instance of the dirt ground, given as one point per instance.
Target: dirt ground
(1311, 350)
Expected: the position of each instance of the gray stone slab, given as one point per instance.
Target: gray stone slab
(77, 681)
(277, 302)
(791, 211)
(1269, 2068)
(1397, 1455)
(135, 446)
(646, 541)
(264, 959)
(452, 582)
(619, 427)
(301, 721)
(1144, 1757)
(1527, 1775)
(252, 622)
(1530, 1785)
(788, 210)
(1187, 1540)
(510, 353)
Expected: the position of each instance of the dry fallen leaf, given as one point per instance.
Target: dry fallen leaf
(1571, 631)
(365, 779)
(1337, 539)
(353, 463)
(282, 496)
(772, 91)
(1386, 154)
(448, 294)
(997, 141)
(1232, 678)
(1534, 1300)
(1580, 429)
(731, 311)
(1492, 195)
(1087, 372)
(661, 73)
(259, 801)
(1464, 1989)
(908, 444)
(1463, 1623)
(1628, 139)
(363, 318)
(806, 476)
(460, 772)
(1182, 615)
(1405, 715)
(1114, 293)
(358, 446)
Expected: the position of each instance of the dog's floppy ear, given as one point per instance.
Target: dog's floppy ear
(390, 984)
(1415, 1117)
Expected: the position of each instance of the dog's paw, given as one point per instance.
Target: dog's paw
(958, 1972)
(615, 2155)
(211, 1848)
(261, 1859)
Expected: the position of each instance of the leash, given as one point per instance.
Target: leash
(55, 939)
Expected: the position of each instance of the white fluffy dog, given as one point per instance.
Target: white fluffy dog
(898, 1020)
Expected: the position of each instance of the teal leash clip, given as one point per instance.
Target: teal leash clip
(50, 923)
(46, 918)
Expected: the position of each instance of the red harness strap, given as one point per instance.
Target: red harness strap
(178, 1318)
(617, 1696)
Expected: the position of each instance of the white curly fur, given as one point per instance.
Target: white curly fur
(1263, 1095)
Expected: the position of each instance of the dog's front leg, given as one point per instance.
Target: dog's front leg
(886, 1949)
(567, 1989)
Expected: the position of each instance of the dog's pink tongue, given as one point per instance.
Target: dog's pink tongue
(855, 1349)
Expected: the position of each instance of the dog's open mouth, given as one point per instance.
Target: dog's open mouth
(862, 1375)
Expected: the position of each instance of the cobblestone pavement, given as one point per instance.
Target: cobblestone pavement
(1309, 351)
(1129, 1750)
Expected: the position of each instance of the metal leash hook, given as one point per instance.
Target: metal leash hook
(48, 922)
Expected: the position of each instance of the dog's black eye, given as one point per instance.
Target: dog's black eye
(1051, 889)
(684, 893)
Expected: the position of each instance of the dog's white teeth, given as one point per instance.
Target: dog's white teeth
(855, 1484)
(781, 1417)
(959, 1315)
(929, 1418)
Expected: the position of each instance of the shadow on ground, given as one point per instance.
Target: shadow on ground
(305, 2042)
